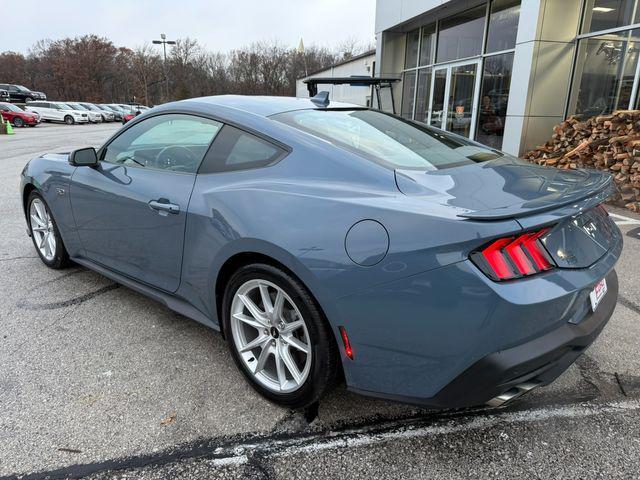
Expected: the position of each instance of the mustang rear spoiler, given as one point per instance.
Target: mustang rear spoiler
(582, 200)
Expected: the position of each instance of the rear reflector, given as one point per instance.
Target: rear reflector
(347, 345)
(514, 257)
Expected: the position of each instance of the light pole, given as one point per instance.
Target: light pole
(164, 42)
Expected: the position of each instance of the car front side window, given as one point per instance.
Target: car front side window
(174, 142)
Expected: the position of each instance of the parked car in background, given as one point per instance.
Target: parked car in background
(94, 117)
(17, 116)
(18, 93)
(106, 115)
(57, 112)
(4, 96)
(130, 112)
(117, 112)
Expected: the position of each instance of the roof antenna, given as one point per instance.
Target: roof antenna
(321, 99)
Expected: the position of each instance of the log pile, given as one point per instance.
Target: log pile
(606, 142)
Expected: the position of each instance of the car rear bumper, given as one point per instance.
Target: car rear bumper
(537, 362)
(451, 337)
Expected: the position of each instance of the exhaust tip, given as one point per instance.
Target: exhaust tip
(511, 394)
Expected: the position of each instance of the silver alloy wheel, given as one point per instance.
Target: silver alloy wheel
(270, 336)
(42, 229)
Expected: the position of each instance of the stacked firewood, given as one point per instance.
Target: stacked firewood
(606, 142)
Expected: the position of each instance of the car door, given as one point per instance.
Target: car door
(49, 111)
(130, 210)
(15, 94)
(43, 108)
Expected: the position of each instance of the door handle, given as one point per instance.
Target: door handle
(163, 206)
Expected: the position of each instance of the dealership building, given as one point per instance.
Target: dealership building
(504, 72)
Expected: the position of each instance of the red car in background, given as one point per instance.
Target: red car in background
(17, 116)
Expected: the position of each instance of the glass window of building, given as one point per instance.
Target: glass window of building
(604, 75)
(461, 35)
(494, 96)
(411, 54)
(503, 25)
(427, 44)
(605, 14)
(423, 94)
(408, 93)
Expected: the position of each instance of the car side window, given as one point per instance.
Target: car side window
(235, 149)
(175, 142)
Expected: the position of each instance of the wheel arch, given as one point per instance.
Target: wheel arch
(240, 259)
(26, 191)
(246, 257)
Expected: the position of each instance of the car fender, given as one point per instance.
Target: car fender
(50, 175)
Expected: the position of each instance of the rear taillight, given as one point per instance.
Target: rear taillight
(514, 257)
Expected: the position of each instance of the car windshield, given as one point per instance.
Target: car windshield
(115, 108)
(89, 106)
(61, 106)
(10, 106)
(387, 139)
(22, 89)
(76, 106)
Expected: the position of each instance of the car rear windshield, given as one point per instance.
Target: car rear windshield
(388, 139)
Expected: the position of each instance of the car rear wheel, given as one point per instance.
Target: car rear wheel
(18, 122)
(69, 120)
(45, 234)
(278, 336)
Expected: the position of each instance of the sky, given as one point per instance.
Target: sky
(219, 25)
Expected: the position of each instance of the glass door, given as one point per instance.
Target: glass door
(454, 100)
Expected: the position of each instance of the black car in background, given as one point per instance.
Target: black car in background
(18, 93)
(4, 96)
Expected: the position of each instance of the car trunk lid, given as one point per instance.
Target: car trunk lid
(504, 188)
(535, 196)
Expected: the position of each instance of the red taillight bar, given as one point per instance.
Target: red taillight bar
(496, 260)
(514, 257)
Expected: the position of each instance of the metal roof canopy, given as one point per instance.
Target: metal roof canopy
(376, 83)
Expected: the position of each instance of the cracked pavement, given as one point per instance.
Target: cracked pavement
(99, 381)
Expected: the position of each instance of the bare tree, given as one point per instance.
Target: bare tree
(92, 68)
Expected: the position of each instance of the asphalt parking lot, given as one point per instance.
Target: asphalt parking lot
(99, 381)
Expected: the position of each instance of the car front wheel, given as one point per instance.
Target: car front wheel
(278, 336)
(45, 234)
(69, 120)
(18, 122)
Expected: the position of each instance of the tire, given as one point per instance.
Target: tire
(316, 374)
(28, 99)
(68, 119)
(56, 258)
(18, 122)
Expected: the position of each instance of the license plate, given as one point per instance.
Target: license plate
(598, 293)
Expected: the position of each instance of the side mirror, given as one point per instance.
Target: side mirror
(84, 157)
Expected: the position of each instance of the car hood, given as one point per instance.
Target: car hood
(504, 188)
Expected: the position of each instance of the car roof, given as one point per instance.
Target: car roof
(264, 105)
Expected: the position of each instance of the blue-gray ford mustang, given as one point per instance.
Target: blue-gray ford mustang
(327, 240)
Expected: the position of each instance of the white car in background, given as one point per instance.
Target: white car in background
(94, 117)
(57, 112)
